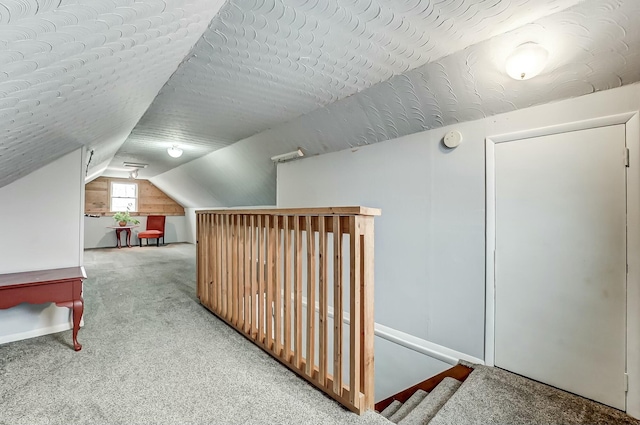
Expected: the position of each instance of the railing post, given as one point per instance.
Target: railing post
(355, 281)
(367, 318)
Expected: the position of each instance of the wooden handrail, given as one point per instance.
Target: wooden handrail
(343, 211)
(258, 268)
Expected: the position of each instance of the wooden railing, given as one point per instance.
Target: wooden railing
(280, 276)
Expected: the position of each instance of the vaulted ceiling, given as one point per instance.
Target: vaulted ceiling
(265, 76)
(76, 73)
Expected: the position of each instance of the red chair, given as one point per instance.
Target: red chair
(155, 229)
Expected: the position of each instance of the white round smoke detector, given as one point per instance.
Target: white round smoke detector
(452, 139)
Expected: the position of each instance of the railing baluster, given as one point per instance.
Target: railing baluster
(203, 265)
(261, 313)
(254, 276)
(322, 294)
(298, 292)
(269, 279)
(214, 244)
(277, 293)
(311, 295)
(219, 267)
(200, 255)
(239, 275)
(246, 245)
(231, 272)
(287, 289)
(210, 284)
(224, 281)
(337, 306)
(230, 276)
(203, 243)
(234, 270)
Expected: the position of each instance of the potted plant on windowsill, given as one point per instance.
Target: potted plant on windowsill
(123, 218)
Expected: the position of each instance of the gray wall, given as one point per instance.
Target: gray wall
(430, 237)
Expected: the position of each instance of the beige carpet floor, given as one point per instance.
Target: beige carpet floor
(153, 355)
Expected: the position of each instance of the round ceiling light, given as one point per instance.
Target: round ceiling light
(174, 151)
(527, 61)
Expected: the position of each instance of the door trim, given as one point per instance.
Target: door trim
(632, 133)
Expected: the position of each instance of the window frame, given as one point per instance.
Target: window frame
(135, 199)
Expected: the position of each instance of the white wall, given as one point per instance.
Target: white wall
(190, 219)
(42, 229)
(431, 227)
(184, 189)
(97, 233)
(430, 239)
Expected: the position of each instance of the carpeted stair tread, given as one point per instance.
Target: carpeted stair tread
(391, 409)
(494, 396)
(431, 404)
(408, 406)
(468, 364)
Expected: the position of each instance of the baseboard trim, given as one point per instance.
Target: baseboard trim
(409, 341)
(36, 333)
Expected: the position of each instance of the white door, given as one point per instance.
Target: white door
(560, 272)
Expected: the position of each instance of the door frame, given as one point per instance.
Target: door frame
(631, 120)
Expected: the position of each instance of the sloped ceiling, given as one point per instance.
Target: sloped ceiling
(76, 73)
(593, 46)
(271, 75)
(265, 62)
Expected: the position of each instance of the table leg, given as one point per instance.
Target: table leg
(129, 238)
(118, 238)
(78, 309)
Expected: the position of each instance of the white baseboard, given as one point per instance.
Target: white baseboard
(39, 332)
(409, 341)
(36, 332)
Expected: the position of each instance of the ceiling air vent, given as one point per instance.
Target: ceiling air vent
(134, 164)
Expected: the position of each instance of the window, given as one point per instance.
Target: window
(124, 196)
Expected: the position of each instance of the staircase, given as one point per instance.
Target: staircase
(494, 396)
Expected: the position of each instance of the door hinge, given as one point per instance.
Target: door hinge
(626, 382)
(626, 157)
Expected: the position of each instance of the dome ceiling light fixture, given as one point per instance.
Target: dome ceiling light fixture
(526, 61)
(174, 151)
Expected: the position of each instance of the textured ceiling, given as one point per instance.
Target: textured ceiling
(76, 73)
(593, 46)
(278, 74)
(265, 62)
